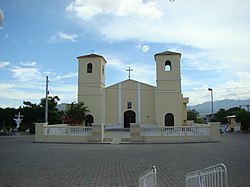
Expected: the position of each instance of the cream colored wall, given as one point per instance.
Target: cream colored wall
(232, 122)
(147, 104)
(94, 104)
(168, 80)
(111, 109)
(168, 103)
(96, 75)
(129, 93)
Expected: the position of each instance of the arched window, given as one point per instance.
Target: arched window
(89, 120)
(169, 119)
(168, 66)
(89, 68)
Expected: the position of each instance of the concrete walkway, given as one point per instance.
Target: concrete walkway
(116, 137)
(24, 163)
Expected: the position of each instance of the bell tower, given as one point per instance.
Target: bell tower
(91, 85)
(168, 97)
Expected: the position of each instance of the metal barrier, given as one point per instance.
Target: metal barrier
(148, 178)
(214, 176)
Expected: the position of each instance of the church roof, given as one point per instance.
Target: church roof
(132, 81)
(91, 56)
(168, 53)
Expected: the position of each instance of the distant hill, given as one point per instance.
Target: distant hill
(62, 106)
(205, 108)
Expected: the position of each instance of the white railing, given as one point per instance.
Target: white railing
(148, 178)
(174, 131)
(67, 130)
(148, 125)
(208, 177)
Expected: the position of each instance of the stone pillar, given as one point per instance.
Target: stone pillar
(190, 122)
(39, 136)
(97, 132)
(135, 135)
(214, 131)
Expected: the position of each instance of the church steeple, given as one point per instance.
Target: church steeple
(92, 68)
(168, 97)
(168, 76)
(91, 85)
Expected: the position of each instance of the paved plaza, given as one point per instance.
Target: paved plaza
(25, 163)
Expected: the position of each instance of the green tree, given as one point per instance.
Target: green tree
(76, 113)
(192, 115)
(32, 113)
(36, 113)
(243, 117)
(54, 115)
(221, 115)
(6, 118)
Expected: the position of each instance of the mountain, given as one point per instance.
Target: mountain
(62, 106)
(206, 108)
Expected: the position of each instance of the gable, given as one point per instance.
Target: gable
(128, 83)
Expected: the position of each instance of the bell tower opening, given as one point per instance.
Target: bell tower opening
(89, 68)
(168, 66)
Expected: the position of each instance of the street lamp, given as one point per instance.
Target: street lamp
(212, 101)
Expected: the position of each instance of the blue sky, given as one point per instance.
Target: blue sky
(43, 38)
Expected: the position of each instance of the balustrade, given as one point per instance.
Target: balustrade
(174, 131)
(67, 130)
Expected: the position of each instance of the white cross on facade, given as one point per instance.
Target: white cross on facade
(129, 70)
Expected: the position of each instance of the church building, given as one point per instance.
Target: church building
(131, 101)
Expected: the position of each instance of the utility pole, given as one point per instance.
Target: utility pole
(212, 101)
(46, 100)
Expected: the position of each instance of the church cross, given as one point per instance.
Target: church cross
(129, 70)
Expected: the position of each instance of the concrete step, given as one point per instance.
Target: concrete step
(116, 141)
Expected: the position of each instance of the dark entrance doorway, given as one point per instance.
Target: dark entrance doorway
(169, 119)
(89, 120)
(129, 117)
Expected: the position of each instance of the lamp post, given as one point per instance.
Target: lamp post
(212, 101)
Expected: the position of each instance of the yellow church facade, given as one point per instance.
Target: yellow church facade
(131, 101)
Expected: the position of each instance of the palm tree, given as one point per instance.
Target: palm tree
(76, 113)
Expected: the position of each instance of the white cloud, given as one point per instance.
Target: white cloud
(144, 48)
(88, 9)
(68, 75)
(4, 64)
(206, 25)
(20, 94)
(62, 36)
(6, 86)
(26, 74)
(232, 89)
(33, 64)
(142, 71)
